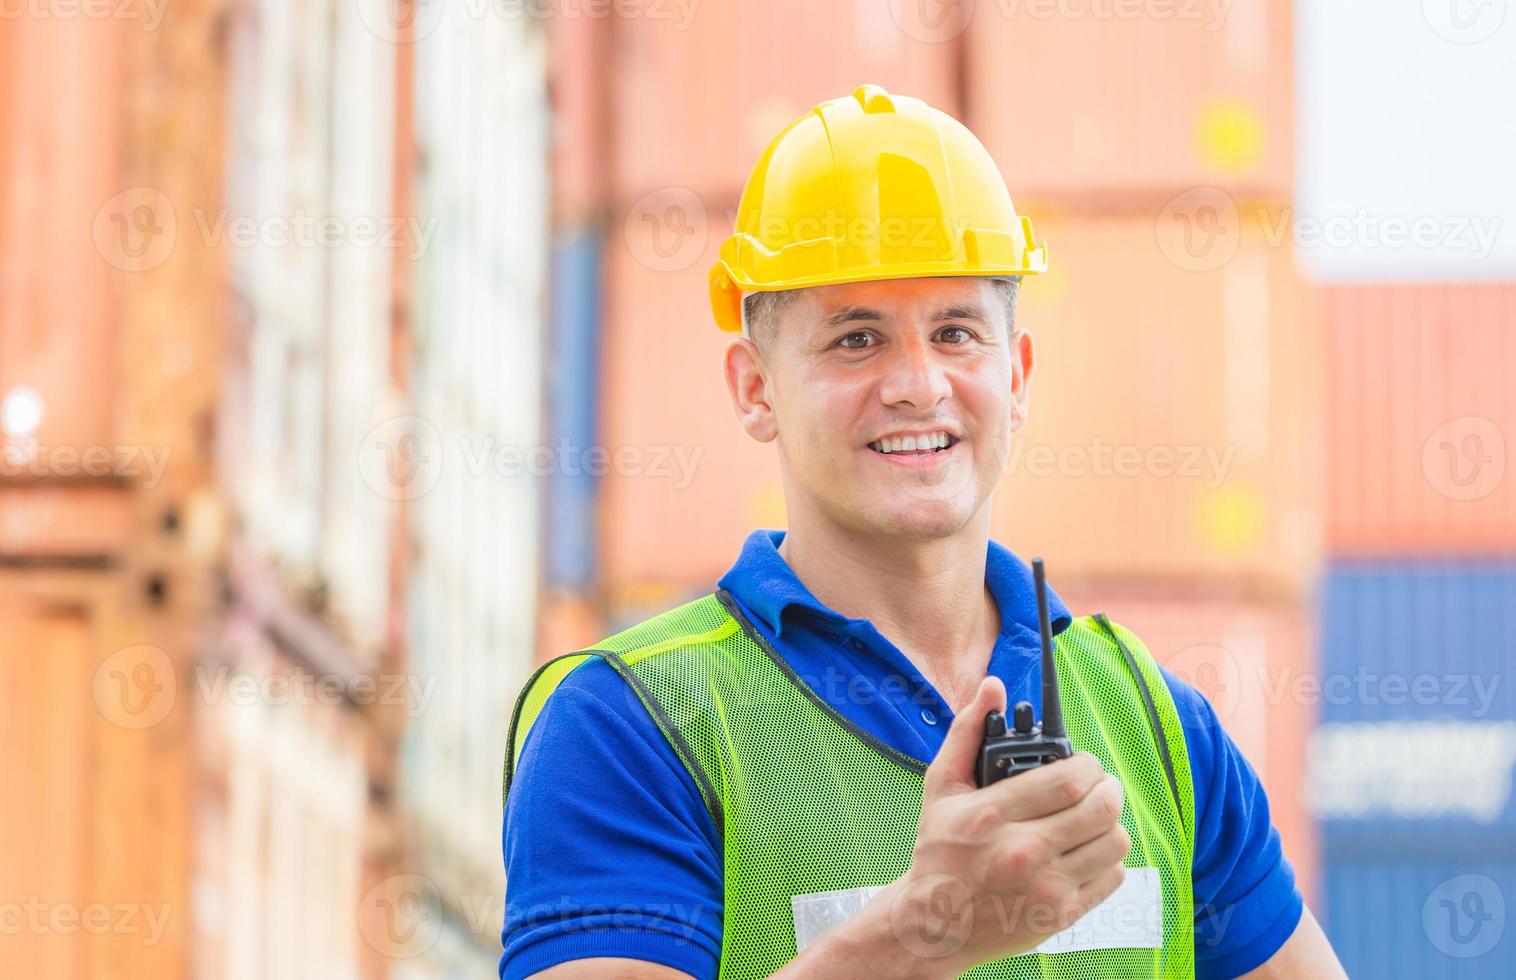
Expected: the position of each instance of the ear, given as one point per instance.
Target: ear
(1023, 358)
(747, 383)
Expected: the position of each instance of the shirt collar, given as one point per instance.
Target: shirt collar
(763, 582)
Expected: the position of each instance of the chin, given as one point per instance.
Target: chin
(915, 517)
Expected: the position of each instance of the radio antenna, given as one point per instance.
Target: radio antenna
(1052, 707)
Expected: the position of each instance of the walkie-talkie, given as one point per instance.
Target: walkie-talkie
(1027, 745)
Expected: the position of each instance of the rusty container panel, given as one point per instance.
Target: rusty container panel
(1421, 419)
(1088, 99)
(698, 97)
(70, 234)
(683, 484)
(47, 721)
(1174, 429)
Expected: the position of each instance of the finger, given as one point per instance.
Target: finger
(1101, 887)
(1046, 790)
(1093, 858)
(953, 769)
(1086, 820)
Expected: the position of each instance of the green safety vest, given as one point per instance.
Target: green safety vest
(808, 805)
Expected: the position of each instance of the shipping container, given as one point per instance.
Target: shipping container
(1388, 203)
(1082, 101)
(280, 829)
(71, 234)
(278, 172)
(1250, 660)
(573, 386)
(701, 89)
(1418, 729)
(312, 232)
(48, 723)
(1173, 407)
(580, 86)
(1422, 909)
(1421, 410)
(474, 508)
(684, 484)
(355, 515)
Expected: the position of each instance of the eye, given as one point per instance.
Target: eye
(955, 335)
(857, 340)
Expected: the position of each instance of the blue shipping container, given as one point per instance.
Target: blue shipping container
(573, 384)
(1417, 705)
(1423, 913)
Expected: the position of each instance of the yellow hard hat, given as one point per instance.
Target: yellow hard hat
(870, 186)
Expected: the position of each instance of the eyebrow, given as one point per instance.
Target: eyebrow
(961, 311)
(849, 314)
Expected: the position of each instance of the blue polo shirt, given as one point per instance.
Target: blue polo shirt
(610, 851)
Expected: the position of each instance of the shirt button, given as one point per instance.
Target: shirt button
(855, 643)
(928, 717)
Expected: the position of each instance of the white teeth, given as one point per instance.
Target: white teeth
(905, 444)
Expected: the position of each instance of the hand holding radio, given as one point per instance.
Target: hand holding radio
(1001, 864)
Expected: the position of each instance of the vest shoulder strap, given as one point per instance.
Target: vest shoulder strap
(700, 622)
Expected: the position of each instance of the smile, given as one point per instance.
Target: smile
(919, 444)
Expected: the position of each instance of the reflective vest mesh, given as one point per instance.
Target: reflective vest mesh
(806, 803)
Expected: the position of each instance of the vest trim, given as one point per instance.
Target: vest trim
(675, 737)
(1153, 721)
(899, 758)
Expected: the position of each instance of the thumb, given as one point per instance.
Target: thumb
(953, 769)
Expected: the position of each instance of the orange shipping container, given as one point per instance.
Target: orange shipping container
(1422, 413)
(1174, 419)
(699, 96)
(1076, 99)
(1254, 662)
(683, 484)
(68, 230)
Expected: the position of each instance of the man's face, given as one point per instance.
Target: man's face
(893, 402)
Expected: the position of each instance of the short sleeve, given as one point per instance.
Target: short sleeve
(1246, 901)
(609, 848)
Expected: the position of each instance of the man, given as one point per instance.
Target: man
(778, 779)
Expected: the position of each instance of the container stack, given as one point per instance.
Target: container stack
(108, 519)
(298, 669)
(1169, 471)
(473, 493)
(1411, 768)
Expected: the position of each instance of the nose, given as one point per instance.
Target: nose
(914, 376)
